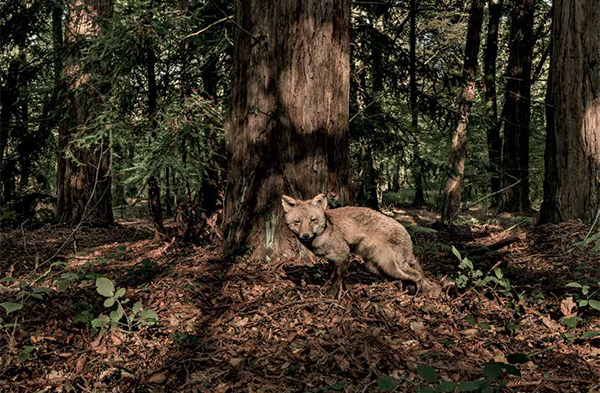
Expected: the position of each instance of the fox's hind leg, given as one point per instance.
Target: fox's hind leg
(398, 267)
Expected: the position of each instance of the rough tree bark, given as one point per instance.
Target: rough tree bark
(572, 157)
(287, 131)
(417, 161)
(456, 162)
(83, 183)
(494, 142)
(517, 111)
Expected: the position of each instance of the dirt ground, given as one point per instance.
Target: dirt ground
(243, 326)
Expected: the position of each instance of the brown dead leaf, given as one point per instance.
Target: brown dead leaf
(567, 306)
(417, 327)
(158, 378)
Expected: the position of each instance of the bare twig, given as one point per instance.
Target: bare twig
(208, 27)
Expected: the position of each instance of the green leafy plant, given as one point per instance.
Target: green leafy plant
(470, 275)
(584, 297)
(495, 376)
(115, 297)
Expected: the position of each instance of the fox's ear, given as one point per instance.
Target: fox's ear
(288, 203)
(320, 201)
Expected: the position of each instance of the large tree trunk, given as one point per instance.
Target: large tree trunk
(494, 142)
(287, 131)
(417, 161)
(84, 186)
(572, 157)
(517, 111)
(456, 162)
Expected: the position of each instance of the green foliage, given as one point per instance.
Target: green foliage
(386, 383)
(593, 240)
(137, 317)
(470, 275)
(584, 297)
(495, 375)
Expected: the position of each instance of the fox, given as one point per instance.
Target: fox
(333, 234)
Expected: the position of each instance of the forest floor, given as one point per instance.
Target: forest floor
(267, 327)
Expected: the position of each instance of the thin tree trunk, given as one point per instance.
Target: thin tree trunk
(168, 199)
(83, 182)
(368, 192)
(154, 201)
(456, 162)
(572, 157)
(417, 161)
(517, 111)
(396, 176)
(494, 142)
(287, 131)
(8, 98)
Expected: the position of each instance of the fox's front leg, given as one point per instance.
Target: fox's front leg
(337, 278)
(340, 259)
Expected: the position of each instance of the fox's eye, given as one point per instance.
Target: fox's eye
(313, 219)
(296, 222)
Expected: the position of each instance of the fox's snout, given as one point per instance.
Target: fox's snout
(305, 236)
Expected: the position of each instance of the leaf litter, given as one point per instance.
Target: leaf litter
(267, 327)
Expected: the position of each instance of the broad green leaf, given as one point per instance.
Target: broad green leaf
(147, 317)
(137, 307)
(5, 279)
(573, 285)
(427, 373)
(591, 334)
(446, 387)
(498, 273)
(41, 290)
(472, 386)
(120, 292)
(492, 370)
(386, 383)
(570, 322)
(582, 303)
(116, 315)
(24, 353)
(595, 304)
(11, 307)
(105, 287)
(101, 321)
(109, 302)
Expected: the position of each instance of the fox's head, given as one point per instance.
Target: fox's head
(305, 218)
